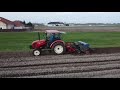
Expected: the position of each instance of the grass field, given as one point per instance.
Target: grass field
(19, 41)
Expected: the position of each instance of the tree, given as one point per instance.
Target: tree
(29, 24)
(24, 22)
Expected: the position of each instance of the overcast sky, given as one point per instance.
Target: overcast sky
(68, 17)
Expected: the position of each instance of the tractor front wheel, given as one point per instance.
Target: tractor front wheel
(58, 48)
(36, 52)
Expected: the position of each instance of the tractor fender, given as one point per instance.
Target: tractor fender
(56, 42)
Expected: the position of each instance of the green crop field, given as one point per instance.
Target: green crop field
(20, 41)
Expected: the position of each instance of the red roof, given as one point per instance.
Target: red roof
(6, 21)
(18, 23)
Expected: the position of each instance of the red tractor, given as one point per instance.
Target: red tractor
(54, 43)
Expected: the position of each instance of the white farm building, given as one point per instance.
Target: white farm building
(6, 24)
(56, 24)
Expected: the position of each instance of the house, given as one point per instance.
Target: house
(18, 25)
(56, 24)
(6, 24)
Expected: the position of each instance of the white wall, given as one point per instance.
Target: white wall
(21, 27)
(55, 24)
(3, 25)
(10, 26)
(51, 25)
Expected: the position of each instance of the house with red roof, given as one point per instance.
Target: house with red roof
(6, 24)
(18, 25)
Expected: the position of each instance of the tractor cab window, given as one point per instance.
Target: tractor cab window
(58, 36)
(53, 36)
(48, 36)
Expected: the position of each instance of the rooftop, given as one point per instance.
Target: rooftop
(18, 23)
(6, 21)
(55, 23)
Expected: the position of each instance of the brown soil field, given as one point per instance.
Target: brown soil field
(62, 66)
(104, 62)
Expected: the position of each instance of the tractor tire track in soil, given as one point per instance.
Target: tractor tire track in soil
(101, 64)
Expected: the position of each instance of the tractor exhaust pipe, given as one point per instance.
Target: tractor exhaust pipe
(38, 35)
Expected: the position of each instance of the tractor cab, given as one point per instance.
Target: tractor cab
(53, 35)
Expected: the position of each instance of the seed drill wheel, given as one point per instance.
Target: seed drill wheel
(58, 48)
(87, 52)
(36, 52)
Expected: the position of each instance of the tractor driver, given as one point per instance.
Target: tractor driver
(52, 37)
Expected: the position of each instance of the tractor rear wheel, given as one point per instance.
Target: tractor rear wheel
(58, 48)
(36, 52)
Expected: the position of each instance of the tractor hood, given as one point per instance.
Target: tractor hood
(38, 43)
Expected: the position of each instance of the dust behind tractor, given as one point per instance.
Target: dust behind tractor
(55, 45)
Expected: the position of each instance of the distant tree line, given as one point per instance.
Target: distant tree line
(28, 24)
